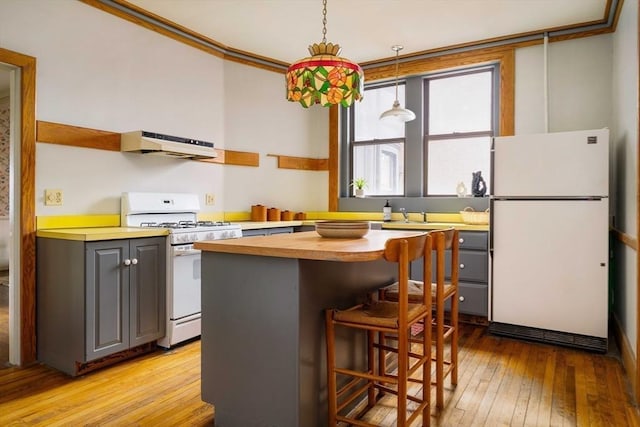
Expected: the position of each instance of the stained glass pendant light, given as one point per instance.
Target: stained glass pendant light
(399, 113)
(324, 78)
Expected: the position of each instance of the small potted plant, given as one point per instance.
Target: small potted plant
(358, 185)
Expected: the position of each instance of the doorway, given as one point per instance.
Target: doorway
(7, 293)
(22, 296)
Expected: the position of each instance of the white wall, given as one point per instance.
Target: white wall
(258, 118)
(93, 180)
(625, 148)
(579, 86)
(98, 71)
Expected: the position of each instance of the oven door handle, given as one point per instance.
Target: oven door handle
(187, 252)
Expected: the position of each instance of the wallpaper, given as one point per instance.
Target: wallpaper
(4, 156)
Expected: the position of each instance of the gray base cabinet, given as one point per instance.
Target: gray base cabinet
(267, 231)
(95, 299)
(473, 272)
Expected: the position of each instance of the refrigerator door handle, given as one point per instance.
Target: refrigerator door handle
(491, 221)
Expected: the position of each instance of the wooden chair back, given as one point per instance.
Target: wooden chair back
(443, 240)
(404, 250)
(415, 246)
(445, 237)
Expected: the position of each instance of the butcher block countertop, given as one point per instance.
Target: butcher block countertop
(101, 233)
(308, 245)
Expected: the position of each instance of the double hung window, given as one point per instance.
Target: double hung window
(456, 116)
(377, 146)
(459, 126)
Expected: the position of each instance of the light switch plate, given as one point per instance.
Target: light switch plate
(53, 197)
(209, 199)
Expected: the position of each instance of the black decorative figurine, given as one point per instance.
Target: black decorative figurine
(478, 186)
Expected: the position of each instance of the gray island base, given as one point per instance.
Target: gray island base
(263, 344)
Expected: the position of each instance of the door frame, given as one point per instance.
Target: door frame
(27, 213)
(637, 237)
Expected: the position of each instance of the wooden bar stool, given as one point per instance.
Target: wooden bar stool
(441, 291)
(390, 317)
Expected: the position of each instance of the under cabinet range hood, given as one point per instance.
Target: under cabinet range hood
(166, 145)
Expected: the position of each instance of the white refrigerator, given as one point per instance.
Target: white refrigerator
(549, 239)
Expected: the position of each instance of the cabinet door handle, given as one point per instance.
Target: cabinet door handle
(461, 240)
(461, 265)
(127, 261)
(134, 261)
(461, 298)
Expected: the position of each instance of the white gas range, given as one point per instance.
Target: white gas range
(177, 212)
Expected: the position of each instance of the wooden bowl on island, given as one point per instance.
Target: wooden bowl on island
(342, 229)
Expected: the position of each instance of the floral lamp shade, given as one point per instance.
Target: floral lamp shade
(324, 78)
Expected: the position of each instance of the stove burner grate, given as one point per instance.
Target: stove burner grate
(212, 223)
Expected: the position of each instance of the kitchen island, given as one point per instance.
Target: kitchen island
(263, 344)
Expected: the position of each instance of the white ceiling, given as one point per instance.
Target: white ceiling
(366, 29)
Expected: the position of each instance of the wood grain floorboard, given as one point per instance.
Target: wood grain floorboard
(157, 389)
(502, 382)
(474, 355)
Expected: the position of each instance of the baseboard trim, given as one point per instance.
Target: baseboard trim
(627, 354)
(86, 367)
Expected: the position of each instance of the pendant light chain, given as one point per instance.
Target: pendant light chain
(397, 49)
(402, 114)
(324, 21)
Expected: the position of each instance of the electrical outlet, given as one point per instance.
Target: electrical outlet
(209, 199)
(53, 197)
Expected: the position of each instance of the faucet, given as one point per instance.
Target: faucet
(404, 213)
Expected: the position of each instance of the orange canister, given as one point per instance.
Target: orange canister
(273, 214)
(286, 216)
(258, 213)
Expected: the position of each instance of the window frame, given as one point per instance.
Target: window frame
(352, 143)
(495, 91)
(418, 64)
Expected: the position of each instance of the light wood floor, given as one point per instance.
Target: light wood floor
(503, 382)
(157, 389)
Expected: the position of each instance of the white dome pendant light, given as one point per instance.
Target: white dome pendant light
(401, 114)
